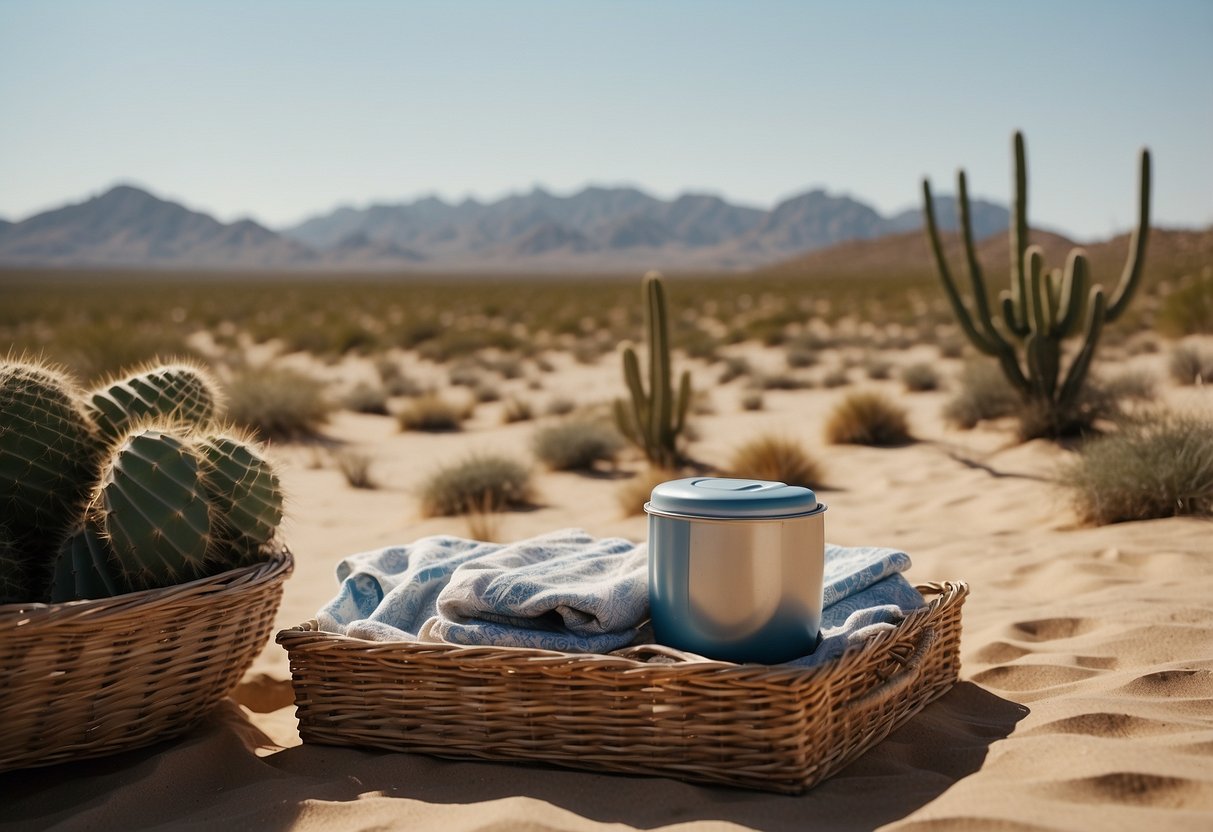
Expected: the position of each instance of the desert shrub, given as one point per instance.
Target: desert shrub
(356, 468)
(1189, 309)
(277, 403)
(100, 350)
(515, 409)
(395, 382)
(485, 392)
(366, 398)
(508, 366)
(432, 413)
(735, 366)
(782, 381)
(878, 369)
(464, 374)
(835, 378)
(952, 347)
(1157, 465)
(1190, 363)
(544, 365)
(634, 493)
(1099, 400)
(752, 400)
(798, 356)
(778, 458)
(982, 392)
(478, 483)
(867, 418)
(560, 406)
(576, 445)
(701, 403)
(1128, 385)
(919, 378)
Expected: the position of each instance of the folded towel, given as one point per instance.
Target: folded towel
(569, 591)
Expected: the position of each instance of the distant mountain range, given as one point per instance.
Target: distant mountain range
(596, 229)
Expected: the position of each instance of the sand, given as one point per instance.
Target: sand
(1086, 692)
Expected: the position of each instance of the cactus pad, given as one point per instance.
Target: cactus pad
(13, 583)
(152, 506)
(177, 393)
(245, 492)
(83, 568)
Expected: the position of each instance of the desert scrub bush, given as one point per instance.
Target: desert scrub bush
(878, 369)
(919, 378)
(835, 378)
(1189, 309)
(735, 366)
(799, 357)
(560, 406)
(485, 392)
(777, 458)
(982, 393)
(635, 492)
(576, 445)
(356, 468)
(464, 374)
(395, 381)
(752, 400)
(366, 398)
(433, 414)
(277, 403)
(1190, 363)
(482, 482)
(782, 381)
(1159, 464)
(867, 418)
(515, 410)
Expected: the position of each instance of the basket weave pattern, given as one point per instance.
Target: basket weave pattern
(88, 678)
(772, 728)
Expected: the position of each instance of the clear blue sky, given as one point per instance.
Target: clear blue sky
(279, 110)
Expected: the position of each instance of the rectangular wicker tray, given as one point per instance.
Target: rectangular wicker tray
(755, 726)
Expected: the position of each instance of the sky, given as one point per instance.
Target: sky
(282, 110)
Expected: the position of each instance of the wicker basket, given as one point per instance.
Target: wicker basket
(755, 726)
(89, 678)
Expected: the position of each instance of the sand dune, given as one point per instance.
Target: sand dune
(1086, 699)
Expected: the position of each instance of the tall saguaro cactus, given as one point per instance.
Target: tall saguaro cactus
(1041, 309)
(654, 420)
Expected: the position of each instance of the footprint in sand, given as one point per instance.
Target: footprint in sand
(1173, 684)
(1104, 724)
(1051, 629)
(1032, 677)
(1000, 652)
(1133, 788)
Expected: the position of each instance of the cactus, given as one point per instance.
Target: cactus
(152, 507)
(1041, 310)
(654, 420)
(245, 492)
(47, 460)
(179, 393)
(83, 568)
(13, 578)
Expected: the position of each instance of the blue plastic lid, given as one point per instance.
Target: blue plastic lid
(722, 498)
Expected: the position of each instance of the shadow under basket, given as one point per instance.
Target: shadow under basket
(89, 678)
(773, 728)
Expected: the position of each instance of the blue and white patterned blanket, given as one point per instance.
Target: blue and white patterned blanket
(568, 591)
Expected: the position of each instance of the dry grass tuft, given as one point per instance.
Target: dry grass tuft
(778, 458)
(576, 445)
(433, 414)
(278, 404)
(920, 378)
(1157, 465)
(479, 481)
(356, 468)
(634, 493)
(868, 418)
(1191, 364)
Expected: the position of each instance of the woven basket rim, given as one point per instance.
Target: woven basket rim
(24, 614)
(946, 592)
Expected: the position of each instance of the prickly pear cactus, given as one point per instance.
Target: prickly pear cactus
(152, 507)
(245, 493)
(47, 461)
(13, 581)
(173, 393)
(83, 568)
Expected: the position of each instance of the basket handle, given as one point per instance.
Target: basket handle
(908, 674)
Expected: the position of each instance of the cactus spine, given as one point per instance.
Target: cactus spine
(1041, 310)
(654, 420)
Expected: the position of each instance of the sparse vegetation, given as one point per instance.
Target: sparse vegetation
(1189, 309)
(836, 377)
(515, 409)
(479, 481)
(635, 492)
(1157, 465)
(560, 406)
(366, 398)
(868, 418)
(432, 413)
(778, 458)
(878, 369)
(278, 404)
(576, 445)
(752, 400)
(735, 366)
(356, 468)
(981, 394)
(920, 378)
(1190, 363)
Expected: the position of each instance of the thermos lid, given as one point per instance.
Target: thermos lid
(722, 498)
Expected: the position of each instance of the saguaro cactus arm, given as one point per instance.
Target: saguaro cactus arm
(1131, 275)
